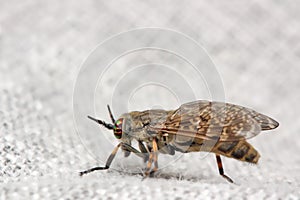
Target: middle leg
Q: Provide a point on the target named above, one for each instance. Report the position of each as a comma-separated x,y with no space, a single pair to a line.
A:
152,158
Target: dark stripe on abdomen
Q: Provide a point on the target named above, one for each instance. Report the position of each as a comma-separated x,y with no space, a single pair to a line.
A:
227,146
240,150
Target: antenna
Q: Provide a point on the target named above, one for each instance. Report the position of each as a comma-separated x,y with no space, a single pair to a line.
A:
103,123
111,115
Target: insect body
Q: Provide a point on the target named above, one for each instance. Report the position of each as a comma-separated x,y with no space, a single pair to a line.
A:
216,127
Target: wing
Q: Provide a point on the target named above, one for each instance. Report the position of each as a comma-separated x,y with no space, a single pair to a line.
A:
216,121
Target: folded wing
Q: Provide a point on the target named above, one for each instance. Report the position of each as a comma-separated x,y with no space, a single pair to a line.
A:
216,121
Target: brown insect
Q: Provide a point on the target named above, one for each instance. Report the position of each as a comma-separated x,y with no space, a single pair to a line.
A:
216,127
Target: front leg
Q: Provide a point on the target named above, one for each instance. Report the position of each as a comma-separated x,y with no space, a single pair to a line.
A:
131,149
108,162
124,146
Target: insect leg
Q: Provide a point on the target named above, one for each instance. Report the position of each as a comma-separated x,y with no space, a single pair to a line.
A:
221,170
108,162
155,158
129,148
144,150
152,158
149,164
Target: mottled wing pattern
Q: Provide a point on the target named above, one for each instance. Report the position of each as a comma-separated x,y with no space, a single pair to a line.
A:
216,121
154,117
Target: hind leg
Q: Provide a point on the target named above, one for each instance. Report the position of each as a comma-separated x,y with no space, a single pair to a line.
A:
221,170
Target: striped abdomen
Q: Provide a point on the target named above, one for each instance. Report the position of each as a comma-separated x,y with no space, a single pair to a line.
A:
240,150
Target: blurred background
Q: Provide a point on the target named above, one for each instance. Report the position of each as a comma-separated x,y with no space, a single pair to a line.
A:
255,48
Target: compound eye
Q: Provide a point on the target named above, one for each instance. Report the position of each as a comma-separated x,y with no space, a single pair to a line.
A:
118,128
